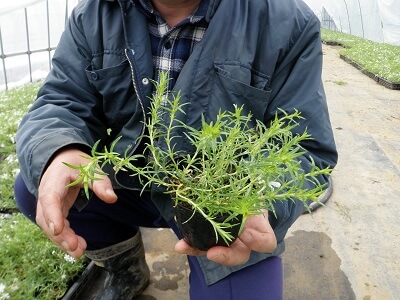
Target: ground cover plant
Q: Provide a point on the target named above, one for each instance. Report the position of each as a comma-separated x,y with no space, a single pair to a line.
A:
380,59
237,167
31,267
13,105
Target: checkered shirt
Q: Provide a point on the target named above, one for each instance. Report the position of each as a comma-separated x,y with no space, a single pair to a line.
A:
171,47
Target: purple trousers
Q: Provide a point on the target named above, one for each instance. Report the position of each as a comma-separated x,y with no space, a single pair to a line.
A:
104,224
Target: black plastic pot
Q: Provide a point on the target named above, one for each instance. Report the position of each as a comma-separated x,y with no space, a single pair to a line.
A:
198,232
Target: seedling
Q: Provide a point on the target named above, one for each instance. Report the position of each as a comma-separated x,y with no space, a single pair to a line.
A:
235,169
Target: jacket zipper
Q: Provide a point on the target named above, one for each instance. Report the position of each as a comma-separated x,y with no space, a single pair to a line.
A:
144,118
139,99
123,10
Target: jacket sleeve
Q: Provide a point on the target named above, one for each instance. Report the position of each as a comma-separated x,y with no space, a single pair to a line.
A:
297,84
67,110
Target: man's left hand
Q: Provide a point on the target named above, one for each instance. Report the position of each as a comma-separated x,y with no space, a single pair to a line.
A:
257,235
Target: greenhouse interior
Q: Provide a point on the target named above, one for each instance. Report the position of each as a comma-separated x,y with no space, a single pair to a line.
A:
376,20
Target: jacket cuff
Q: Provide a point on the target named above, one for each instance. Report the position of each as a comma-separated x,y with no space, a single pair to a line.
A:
40,155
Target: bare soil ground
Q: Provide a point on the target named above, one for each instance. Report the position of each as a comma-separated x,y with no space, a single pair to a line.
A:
350,248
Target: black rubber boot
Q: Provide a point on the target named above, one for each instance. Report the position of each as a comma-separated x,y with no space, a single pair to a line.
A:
125,271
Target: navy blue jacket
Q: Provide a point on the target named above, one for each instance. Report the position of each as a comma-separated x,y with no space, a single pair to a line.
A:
263,54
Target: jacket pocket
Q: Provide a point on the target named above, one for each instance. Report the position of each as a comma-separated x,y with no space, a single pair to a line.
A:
242,86
114,87
95,76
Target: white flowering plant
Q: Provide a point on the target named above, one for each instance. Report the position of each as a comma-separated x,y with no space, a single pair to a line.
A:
31,266
14,105
235,169
380,59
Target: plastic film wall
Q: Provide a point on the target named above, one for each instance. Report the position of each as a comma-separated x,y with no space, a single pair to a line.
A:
377,20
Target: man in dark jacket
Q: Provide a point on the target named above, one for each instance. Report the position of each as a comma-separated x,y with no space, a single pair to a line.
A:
263,54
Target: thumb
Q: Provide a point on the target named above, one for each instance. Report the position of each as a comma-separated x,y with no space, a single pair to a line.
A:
258,234
104,190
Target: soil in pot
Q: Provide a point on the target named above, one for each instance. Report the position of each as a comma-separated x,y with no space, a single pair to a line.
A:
198,232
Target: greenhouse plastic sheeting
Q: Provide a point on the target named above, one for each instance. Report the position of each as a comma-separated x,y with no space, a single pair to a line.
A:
376,20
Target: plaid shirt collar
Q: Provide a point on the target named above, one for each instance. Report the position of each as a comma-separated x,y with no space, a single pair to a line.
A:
171,47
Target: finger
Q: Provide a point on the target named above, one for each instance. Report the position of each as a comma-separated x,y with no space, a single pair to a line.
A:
182,247
258,234
102,186
54,208
70,240
237,254
49,214
103,189
259,222
259,241
67,240
54,199
71,243
80,250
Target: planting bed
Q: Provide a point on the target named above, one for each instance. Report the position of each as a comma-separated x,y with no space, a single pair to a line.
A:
382,81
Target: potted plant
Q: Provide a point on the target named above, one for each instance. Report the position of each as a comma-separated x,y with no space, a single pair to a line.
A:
234,171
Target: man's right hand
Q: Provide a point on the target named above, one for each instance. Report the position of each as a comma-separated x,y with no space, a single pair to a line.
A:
55,200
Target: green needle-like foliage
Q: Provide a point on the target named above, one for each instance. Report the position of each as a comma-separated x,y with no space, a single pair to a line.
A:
235,168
